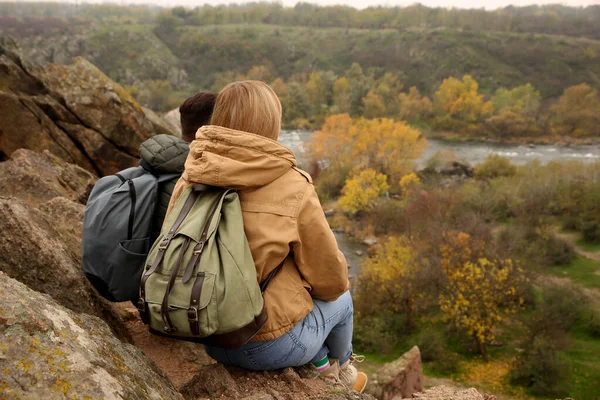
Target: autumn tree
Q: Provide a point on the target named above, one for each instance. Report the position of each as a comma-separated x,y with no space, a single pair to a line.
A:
373,105
409,182
525,98
260,73
413,106
359,88
388,280
481,291
460,99
577,112
317,94
387,88
297,103
341,95
516,112
385,145
361,191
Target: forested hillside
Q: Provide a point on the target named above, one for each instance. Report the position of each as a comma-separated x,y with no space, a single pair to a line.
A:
163,55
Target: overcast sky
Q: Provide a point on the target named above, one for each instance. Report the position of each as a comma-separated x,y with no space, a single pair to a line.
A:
489,4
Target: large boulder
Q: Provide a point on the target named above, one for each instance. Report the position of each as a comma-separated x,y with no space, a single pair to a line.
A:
50,352
39,177
398,379
74,111
41,248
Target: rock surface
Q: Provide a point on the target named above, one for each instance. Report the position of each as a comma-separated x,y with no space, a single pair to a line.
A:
450,393
216,381
74,111
38,177
50,352
41,217
173,120
398,379
44,253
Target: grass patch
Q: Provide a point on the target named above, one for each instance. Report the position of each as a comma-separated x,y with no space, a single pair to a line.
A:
582,271
587,246
583,358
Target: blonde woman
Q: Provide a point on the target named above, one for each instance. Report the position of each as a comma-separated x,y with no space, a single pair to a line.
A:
308,304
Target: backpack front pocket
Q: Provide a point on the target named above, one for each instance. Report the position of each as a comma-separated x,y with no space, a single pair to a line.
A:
125,266
192,307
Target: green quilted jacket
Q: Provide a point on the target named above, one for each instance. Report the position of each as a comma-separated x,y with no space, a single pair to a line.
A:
164,154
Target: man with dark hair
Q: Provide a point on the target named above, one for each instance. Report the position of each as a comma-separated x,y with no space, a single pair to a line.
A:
196,112
165,155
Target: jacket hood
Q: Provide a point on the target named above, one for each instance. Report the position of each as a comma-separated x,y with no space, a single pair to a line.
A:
234,159
165,154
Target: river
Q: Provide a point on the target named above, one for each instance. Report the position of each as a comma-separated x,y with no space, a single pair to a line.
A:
471,152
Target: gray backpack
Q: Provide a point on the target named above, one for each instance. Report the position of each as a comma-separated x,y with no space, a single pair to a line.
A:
116,231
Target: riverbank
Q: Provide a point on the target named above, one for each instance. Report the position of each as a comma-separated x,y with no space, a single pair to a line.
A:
520,141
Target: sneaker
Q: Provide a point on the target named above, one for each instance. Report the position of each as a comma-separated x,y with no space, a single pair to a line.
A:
347,374
351,377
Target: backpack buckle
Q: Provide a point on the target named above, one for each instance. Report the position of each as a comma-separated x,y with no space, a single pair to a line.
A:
169,329
199,249
192,314
164,243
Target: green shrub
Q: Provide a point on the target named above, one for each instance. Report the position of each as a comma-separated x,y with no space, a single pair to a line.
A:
590,229
559,252
593,326
541,369
434,349
372,335
387,217
330,182
534,246
495,166
570,222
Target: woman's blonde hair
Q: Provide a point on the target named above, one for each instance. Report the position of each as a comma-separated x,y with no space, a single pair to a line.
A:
250,106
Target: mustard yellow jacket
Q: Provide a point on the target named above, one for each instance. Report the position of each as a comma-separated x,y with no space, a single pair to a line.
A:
283,219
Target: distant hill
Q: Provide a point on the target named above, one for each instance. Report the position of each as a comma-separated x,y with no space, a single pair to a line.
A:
552,47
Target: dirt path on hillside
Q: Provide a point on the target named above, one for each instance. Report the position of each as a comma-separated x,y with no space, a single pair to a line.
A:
572,238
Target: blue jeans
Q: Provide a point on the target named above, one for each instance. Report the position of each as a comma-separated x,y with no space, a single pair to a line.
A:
325,332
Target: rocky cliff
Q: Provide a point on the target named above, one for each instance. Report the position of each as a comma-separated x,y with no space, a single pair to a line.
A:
73,111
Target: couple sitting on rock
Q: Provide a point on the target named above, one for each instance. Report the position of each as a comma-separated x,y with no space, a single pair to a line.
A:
308,304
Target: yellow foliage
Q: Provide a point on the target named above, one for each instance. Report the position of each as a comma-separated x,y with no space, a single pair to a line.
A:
280,87
409,181
388,146
413,106
341,95
374,107
362,190
387,278
461,99
480,292
578,112
315,88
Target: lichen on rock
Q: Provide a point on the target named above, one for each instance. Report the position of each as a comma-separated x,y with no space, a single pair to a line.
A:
50,352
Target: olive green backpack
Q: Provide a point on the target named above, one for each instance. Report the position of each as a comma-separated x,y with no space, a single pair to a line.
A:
199,283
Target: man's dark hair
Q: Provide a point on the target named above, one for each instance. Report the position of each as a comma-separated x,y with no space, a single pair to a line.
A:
196,112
